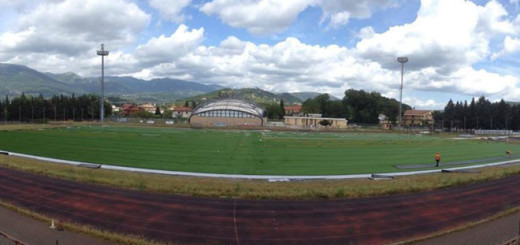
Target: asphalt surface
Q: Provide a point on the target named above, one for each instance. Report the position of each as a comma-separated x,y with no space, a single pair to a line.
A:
33,232
377,220
495,232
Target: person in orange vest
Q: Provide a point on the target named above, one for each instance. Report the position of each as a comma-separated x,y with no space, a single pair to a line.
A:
508,153
437,159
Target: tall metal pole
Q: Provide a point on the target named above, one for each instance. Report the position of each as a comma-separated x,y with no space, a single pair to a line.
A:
102,53
401,60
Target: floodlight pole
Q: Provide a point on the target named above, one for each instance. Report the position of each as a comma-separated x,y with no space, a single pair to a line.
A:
401,60
102,53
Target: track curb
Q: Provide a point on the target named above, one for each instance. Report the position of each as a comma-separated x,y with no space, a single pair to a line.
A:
243,176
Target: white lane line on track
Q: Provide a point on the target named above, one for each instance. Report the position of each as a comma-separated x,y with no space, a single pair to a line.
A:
235,219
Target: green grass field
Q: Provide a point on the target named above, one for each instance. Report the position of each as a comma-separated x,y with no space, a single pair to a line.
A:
245,152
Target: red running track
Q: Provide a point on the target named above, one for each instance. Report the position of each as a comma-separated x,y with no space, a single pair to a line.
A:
163,217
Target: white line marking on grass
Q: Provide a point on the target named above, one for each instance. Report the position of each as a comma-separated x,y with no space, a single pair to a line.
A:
272,178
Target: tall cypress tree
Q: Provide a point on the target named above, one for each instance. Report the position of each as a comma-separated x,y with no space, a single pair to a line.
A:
282,108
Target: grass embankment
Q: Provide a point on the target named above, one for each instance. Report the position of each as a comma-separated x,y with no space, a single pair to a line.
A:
245,152
256,189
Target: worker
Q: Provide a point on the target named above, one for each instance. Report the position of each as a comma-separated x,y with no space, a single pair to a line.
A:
437,159
508,153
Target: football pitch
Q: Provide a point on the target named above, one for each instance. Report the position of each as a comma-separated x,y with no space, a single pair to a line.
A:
246,152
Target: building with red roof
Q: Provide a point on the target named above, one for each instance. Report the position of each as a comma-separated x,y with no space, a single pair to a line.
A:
293,110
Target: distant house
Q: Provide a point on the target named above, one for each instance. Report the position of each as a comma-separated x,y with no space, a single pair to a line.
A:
116,109
384,122
181,111
129,109
418,118
293,110
149,107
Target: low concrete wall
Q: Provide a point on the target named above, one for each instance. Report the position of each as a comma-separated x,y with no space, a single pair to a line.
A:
225,121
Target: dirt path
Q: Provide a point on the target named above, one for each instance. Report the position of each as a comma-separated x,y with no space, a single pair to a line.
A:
493,232
33,232
377,220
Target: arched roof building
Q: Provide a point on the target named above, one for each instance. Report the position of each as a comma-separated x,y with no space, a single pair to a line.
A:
228,112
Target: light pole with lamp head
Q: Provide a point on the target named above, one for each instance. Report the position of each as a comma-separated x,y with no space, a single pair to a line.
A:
401,60
102,53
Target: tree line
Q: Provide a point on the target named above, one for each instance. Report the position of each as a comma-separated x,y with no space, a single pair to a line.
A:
36,109
357,106
479,114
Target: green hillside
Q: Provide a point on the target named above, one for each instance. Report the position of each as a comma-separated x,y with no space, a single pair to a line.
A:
18,79
15,79
251,94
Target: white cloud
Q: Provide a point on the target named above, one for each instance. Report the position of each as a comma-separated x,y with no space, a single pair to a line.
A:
73,27
356,8
419,104
166,49
465,80
170,10
338,12
289,65
366,33
511,45
470,81
447,34
272,16
18,5
339,19
258,17
61,36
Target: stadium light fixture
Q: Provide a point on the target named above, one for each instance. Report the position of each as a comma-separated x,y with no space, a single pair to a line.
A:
401,60
102,53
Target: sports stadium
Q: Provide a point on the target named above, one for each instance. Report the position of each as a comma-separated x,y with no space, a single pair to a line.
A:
229,169
167,142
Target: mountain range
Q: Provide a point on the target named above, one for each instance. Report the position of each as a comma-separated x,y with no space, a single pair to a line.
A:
18,79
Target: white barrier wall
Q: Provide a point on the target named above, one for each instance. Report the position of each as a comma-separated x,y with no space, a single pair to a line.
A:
494,132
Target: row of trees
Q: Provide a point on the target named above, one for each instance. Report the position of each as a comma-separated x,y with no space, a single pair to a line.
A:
479,114
358,106
29,109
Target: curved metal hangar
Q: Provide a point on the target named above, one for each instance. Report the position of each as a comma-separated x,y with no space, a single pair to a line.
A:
228,112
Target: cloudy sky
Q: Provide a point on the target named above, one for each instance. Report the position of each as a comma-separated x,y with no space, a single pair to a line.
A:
457,49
